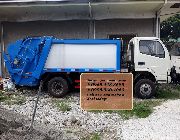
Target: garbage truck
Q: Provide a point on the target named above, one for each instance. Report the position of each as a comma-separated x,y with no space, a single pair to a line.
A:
59,62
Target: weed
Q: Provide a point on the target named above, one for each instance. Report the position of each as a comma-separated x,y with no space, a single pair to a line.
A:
3,97
62,105
141,109
11,99
95,136
19,100
168,93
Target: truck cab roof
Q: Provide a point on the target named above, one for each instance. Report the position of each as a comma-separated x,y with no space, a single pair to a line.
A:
146,38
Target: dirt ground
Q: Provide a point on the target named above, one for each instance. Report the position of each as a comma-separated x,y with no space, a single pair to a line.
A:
13,126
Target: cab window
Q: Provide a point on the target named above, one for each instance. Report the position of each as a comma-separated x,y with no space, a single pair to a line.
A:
153,48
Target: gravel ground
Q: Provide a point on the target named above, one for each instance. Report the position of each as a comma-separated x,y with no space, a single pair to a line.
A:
72,122
16,127
164,123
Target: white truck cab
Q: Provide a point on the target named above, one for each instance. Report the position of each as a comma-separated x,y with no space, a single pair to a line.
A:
150,63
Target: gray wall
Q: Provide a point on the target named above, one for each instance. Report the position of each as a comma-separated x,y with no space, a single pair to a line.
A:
140,27
62,29
77,29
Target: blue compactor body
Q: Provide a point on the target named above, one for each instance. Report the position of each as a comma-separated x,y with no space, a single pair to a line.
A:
33,59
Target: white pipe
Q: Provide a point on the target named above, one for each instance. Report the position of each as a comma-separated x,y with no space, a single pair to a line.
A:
157,19
159,11
90,10
157,25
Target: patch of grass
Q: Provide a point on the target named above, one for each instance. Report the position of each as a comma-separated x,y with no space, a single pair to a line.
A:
178,87
11,99
62,105
3,97
141,109
168,93
19,100
95,136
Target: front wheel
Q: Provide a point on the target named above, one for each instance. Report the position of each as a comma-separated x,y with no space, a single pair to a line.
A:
57,87
145,89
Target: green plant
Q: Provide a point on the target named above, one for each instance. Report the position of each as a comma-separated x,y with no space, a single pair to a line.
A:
95,136
62,105
19,100
92,136
141,109
170,28
178,87
11,99
171,93
3,97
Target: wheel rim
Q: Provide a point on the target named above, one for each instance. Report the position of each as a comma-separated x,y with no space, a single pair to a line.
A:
145,89
57,87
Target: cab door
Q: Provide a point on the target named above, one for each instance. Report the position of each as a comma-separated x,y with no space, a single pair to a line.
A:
153,57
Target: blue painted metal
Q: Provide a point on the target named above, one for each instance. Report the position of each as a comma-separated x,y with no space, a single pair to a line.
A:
25,59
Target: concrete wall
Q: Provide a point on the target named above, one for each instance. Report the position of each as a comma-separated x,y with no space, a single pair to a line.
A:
140,27
77,29
63,29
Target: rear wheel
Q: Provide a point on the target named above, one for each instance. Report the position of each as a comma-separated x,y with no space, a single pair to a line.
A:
145,89
57,87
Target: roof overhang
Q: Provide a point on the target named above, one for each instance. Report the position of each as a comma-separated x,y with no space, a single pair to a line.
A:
170,9
30,10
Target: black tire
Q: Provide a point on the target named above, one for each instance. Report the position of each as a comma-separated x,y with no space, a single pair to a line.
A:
57,87
144,89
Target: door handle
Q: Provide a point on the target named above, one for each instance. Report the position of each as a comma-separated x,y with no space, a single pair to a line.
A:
141,63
